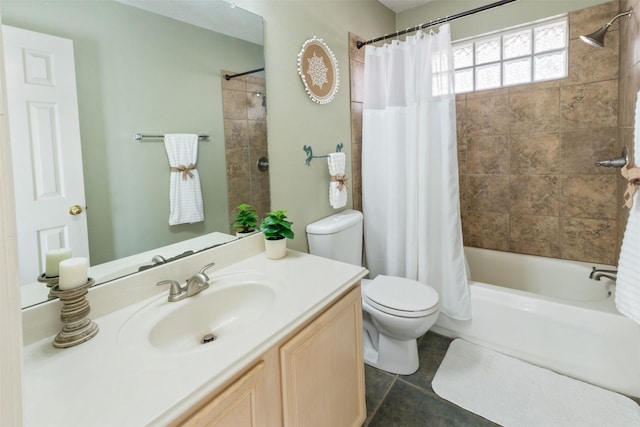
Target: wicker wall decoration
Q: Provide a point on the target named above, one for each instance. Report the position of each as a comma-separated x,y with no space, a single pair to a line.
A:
318,69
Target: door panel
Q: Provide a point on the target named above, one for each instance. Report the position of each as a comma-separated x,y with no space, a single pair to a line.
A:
45,143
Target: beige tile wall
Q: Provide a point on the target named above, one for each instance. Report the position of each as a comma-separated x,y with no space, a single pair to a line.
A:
527,153
528,182
356,68
245,135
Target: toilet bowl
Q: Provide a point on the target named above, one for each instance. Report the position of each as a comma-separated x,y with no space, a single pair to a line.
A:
396,311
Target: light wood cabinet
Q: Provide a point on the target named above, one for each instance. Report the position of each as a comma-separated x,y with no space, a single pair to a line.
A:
314,377
238,405
322,369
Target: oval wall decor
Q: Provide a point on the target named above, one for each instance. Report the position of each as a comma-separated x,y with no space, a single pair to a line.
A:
318,69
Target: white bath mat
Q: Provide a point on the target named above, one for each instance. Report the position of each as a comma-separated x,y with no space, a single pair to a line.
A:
511,392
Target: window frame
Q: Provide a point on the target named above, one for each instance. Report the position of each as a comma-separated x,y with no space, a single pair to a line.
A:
532,55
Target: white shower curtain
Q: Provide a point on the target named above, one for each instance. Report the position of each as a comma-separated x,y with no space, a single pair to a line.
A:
409,167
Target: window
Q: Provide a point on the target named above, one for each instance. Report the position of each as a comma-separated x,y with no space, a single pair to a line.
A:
526,54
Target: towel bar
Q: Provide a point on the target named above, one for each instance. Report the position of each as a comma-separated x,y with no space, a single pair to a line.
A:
310,156
141,136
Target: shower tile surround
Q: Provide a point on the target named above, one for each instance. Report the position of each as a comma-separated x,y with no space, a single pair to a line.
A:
526,154
245,136
356,69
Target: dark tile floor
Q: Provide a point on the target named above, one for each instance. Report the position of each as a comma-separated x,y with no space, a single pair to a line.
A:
409,401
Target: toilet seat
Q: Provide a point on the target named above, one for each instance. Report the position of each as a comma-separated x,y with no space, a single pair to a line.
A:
401,297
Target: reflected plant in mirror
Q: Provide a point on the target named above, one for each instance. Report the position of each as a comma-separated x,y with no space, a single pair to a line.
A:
136,71
246,220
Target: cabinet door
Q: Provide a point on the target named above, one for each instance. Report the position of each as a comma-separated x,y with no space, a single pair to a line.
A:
238,406
322,369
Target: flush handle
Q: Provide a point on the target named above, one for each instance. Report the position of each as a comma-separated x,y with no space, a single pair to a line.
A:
617,162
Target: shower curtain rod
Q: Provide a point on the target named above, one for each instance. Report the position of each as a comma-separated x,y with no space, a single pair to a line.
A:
359,44
230,76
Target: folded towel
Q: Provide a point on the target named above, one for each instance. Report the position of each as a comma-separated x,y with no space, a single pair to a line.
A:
628,278
338,185
185,195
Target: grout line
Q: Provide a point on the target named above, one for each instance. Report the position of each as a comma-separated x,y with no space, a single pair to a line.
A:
382,399
426,390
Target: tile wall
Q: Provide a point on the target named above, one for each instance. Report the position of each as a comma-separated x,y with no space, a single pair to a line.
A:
356,68
245,135
528,183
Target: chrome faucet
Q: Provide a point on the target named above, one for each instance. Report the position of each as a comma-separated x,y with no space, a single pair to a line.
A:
195,284
596,274
158,259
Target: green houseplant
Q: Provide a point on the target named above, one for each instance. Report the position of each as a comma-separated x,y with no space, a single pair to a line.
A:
245,219
276,229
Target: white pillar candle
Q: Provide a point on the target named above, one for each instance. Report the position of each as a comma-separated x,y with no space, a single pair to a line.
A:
53,258
73,273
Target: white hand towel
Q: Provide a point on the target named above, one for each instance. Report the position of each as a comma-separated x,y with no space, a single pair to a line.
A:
185,194
628,281
338,185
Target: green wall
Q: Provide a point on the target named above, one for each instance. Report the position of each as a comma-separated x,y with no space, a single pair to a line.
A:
293,119
140,72
509,15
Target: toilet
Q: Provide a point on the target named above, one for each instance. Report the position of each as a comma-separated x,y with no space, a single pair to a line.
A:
396,311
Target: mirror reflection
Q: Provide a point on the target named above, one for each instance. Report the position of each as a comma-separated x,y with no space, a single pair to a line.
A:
142,72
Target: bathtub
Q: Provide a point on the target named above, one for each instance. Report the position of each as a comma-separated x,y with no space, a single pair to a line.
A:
548,312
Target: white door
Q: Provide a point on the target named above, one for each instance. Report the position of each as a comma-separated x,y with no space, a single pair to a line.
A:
45,143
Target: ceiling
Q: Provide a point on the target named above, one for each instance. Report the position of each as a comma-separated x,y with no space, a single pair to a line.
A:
400,5
221,16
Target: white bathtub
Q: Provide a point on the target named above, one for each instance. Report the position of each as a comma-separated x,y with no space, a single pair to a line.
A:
548,312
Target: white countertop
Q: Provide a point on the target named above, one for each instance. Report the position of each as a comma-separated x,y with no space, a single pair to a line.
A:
107,382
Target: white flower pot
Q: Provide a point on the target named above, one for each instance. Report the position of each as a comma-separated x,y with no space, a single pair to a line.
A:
275,249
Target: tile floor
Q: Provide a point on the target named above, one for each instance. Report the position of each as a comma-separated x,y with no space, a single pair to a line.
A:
409,401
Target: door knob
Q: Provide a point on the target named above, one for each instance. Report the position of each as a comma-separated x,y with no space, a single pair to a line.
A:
75,210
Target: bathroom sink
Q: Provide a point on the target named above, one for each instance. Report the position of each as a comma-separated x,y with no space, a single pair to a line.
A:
231,305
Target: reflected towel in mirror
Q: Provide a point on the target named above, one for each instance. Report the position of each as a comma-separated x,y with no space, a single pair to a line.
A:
185,194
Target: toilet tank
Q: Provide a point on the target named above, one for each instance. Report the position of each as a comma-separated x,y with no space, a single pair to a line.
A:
338,237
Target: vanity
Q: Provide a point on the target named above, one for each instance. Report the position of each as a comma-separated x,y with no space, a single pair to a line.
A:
287,348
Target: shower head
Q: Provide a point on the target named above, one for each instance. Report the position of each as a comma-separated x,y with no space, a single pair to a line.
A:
596,38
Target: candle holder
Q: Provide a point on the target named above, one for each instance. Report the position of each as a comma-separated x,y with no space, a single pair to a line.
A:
77,328
50,281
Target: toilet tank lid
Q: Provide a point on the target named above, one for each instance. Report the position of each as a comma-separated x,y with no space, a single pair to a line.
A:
335,223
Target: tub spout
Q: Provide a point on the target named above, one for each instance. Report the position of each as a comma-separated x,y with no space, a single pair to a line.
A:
596,274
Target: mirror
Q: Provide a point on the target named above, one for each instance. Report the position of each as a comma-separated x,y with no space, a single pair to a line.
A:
142,71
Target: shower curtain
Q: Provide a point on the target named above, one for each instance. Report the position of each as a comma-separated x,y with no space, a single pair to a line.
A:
409,167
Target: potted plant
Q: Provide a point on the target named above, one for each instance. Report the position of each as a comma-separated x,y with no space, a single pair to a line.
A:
276,229
245,220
